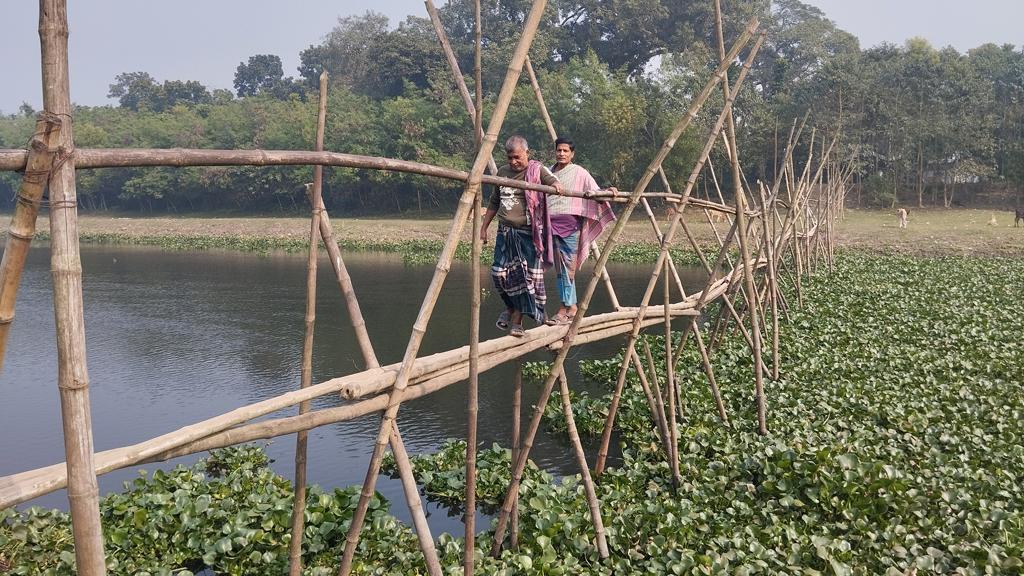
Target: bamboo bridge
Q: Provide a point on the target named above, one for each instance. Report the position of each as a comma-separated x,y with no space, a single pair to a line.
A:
770,230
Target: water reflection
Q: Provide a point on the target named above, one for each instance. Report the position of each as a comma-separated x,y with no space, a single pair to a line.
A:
175,337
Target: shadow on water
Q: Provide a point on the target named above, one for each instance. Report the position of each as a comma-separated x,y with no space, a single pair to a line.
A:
178,337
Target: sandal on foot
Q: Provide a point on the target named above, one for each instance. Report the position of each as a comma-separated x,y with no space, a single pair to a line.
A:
517,331
502,321
560,319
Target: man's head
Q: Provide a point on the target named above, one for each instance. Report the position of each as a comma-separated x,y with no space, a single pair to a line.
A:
518,153
565,151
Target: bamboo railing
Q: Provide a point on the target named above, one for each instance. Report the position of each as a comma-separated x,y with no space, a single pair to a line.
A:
782,231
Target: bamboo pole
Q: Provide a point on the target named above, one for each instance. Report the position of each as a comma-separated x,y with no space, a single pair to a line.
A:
66,267
420,326
773,290
412,494
472,409
649,173
517,400
460,82
42,150
540,101
748,277
652,403
15,160
348,291
670,387
659,403
609,422
581,460
315,191
710,373
478,117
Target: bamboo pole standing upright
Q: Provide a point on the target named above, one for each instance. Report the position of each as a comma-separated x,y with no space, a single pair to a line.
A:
670,385
301,438
42,149
66,267
472,410
748,276
473,188
517,400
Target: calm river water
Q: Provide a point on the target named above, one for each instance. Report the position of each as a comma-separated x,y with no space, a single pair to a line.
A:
177,337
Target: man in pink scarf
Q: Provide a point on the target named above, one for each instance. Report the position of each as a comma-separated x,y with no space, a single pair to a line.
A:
523,244
575,224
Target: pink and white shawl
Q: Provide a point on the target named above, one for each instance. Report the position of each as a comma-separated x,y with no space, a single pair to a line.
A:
540,220
596,214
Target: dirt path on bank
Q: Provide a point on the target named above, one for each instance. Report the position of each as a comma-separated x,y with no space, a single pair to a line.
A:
931,232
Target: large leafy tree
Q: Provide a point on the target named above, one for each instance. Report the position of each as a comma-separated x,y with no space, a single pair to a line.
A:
139,91
263,74
356,50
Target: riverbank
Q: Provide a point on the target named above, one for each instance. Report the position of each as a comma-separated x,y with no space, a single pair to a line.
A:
931,232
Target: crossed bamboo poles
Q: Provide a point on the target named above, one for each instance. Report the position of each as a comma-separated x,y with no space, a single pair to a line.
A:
804,231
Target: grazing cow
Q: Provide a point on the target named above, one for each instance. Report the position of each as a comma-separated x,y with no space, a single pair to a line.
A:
1018,215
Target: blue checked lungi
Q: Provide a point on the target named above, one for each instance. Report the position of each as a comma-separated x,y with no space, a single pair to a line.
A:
518,272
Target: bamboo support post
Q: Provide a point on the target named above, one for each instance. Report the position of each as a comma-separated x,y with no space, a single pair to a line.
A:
42,151
66,267
671,450
581,460
670,388
710,373
412,495
315,191
472,408
748,277
606,432
517,400
652,402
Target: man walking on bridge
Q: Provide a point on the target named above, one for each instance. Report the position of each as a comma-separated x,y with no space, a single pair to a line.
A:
523,243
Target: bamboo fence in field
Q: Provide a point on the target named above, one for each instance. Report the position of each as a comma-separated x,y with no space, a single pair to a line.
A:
772,234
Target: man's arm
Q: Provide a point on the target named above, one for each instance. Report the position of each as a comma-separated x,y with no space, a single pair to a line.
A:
546,177
488,216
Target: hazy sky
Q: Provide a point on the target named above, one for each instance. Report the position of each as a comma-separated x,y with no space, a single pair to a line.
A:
206,40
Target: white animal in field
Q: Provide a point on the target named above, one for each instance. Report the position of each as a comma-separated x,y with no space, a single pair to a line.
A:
902,213
992,221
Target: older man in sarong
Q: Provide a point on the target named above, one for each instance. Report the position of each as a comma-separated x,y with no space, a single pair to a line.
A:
575,224
523,243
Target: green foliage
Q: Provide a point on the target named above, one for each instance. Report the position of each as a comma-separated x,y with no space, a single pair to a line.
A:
443,474
229,513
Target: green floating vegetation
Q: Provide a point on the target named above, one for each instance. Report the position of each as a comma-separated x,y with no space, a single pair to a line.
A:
895,447
228,513
413,251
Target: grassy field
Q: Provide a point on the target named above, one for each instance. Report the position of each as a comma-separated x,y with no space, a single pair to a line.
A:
931,232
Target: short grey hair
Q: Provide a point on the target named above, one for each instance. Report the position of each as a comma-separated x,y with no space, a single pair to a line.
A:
516,143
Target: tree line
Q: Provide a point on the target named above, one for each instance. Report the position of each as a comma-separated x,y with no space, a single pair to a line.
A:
925,125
